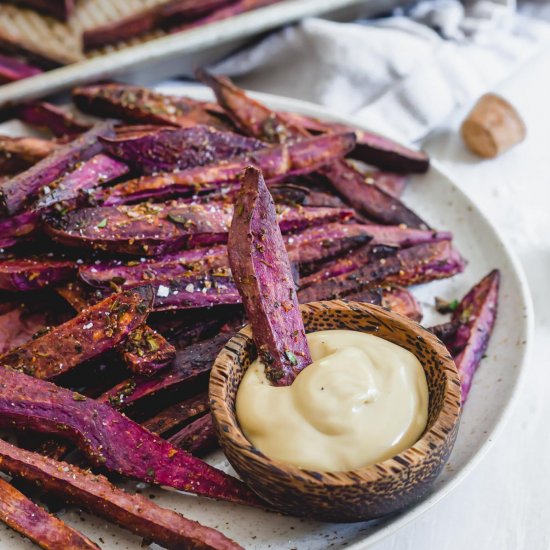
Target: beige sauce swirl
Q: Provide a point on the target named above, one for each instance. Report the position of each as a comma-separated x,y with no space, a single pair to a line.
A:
361,401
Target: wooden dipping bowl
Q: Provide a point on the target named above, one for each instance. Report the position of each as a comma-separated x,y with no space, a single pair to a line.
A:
364,493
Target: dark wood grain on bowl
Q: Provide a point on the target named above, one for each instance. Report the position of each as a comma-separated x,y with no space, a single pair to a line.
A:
356,495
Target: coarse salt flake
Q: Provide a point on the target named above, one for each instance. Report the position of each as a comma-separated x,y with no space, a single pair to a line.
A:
163,291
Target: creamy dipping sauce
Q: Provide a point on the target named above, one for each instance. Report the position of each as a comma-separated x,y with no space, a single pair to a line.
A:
361,401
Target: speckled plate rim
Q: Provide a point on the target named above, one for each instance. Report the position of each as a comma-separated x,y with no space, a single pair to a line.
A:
393,524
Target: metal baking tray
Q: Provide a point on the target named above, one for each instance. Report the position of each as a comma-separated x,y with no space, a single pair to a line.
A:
169,55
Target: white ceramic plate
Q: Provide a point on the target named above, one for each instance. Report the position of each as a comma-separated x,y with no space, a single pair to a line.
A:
439,201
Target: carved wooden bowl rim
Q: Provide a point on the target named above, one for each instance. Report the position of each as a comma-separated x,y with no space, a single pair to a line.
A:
435,437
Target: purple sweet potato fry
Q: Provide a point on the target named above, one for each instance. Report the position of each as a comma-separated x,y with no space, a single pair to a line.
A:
325,241
110,439
177,414
13,69
10,242
20,225
249,115
92,332
167,267
392,184
142,229
18,153
17,328
160,16
276,163
18,190
147,352
98,170
143,106
318,293
293,195
197,438
32,274
453,334
477,310
34,522
261,270
418,264
191,363
153,229
402,301
95,493
345,264
75,293
169,149
425,262
386,154
196,291
371,148
50,117
369,199
395,235
259,121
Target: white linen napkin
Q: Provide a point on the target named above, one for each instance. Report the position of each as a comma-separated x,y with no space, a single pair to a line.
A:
403,75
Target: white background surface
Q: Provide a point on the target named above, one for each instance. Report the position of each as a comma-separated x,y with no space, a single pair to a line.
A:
505,502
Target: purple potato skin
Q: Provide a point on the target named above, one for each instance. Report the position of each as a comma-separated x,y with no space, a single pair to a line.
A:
32,521
262,273
197,438
20,225
179,413
154,229
116,442
146,352
92,332
369,199
347,263
372,149
143,106
276,162
478,311
94,492
292,195
453,334
23,275
97,171
170,149
49,117
12,69
18,153
15,192
402,301
395,235
192,292
164,268
317,244
191,363
414,265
